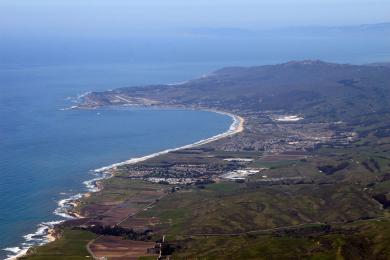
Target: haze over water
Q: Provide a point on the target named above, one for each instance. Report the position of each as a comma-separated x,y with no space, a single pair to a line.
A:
46,153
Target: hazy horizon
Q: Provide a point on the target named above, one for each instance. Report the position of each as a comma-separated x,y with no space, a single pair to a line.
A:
120,17
307,175
226,32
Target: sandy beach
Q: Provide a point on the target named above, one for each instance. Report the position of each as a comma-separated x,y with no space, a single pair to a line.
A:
236,127
67,206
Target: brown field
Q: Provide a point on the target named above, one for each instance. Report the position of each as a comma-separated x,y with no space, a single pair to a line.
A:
139,223
113,212
118,248
95,209
115,215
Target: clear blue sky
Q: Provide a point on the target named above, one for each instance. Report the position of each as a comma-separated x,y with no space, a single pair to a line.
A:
121,16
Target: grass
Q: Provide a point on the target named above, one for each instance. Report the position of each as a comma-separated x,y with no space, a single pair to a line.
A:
223,187
224,208
360,240
255,247
71,245
237,154
273,164
228,210
118,189
343,199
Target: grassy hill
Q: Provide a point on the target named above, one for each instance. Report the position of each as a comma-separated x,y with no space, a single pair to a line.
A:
313,88
324,187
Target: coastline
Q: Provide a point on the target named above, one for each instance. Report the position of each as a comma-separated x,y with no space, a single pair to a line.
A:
65,209
236,127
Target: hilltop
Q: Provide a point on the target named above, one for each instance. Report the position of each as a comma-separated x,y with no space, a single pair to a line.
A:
307,178
314,88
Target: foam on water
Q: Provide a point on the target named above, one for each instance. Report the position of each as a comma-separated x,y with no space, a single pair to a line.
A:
66,205
39,237
234,128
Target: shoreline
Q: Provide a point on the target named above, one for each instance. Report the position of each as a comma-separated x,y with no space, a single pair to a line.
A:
236,127
44,233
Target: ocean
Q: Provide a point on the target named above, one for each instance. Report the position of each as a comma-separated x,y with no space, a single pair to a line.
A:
46,153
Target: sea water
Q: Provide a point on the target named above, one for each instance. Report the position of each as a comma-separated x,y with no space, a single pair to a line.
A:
46,153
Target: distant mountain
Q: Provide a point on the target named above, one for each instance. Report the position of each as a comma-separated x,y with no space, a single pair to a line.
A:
296,30
363,29
372,27
317,89
384,64
206,31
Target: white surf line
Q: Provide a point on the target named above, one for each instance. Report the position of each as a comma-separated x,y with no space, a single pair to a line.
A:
235,127
66,205
69,108
40,237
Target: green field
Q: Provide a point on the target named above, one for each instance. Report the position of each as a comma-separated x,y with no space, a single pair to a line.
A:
325,189
71,245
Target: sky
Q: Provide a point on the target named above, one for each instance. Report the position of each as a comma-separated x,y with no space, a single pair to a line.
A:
49,31
116,17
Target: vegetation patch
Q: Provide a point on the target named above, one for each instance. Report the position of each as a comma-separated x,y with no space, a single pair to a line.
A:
70,245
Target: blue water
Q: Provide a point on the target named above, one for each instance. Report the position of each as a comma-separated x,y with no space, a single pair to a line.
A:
46,153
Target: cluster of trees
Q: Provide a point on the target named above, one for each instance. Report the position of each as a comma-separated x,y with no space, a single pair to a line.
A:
310,231
331,169
120,231
382,199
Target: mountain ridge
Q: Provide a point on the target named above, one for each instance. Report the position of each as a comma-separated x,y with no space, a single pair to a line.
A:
322,90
